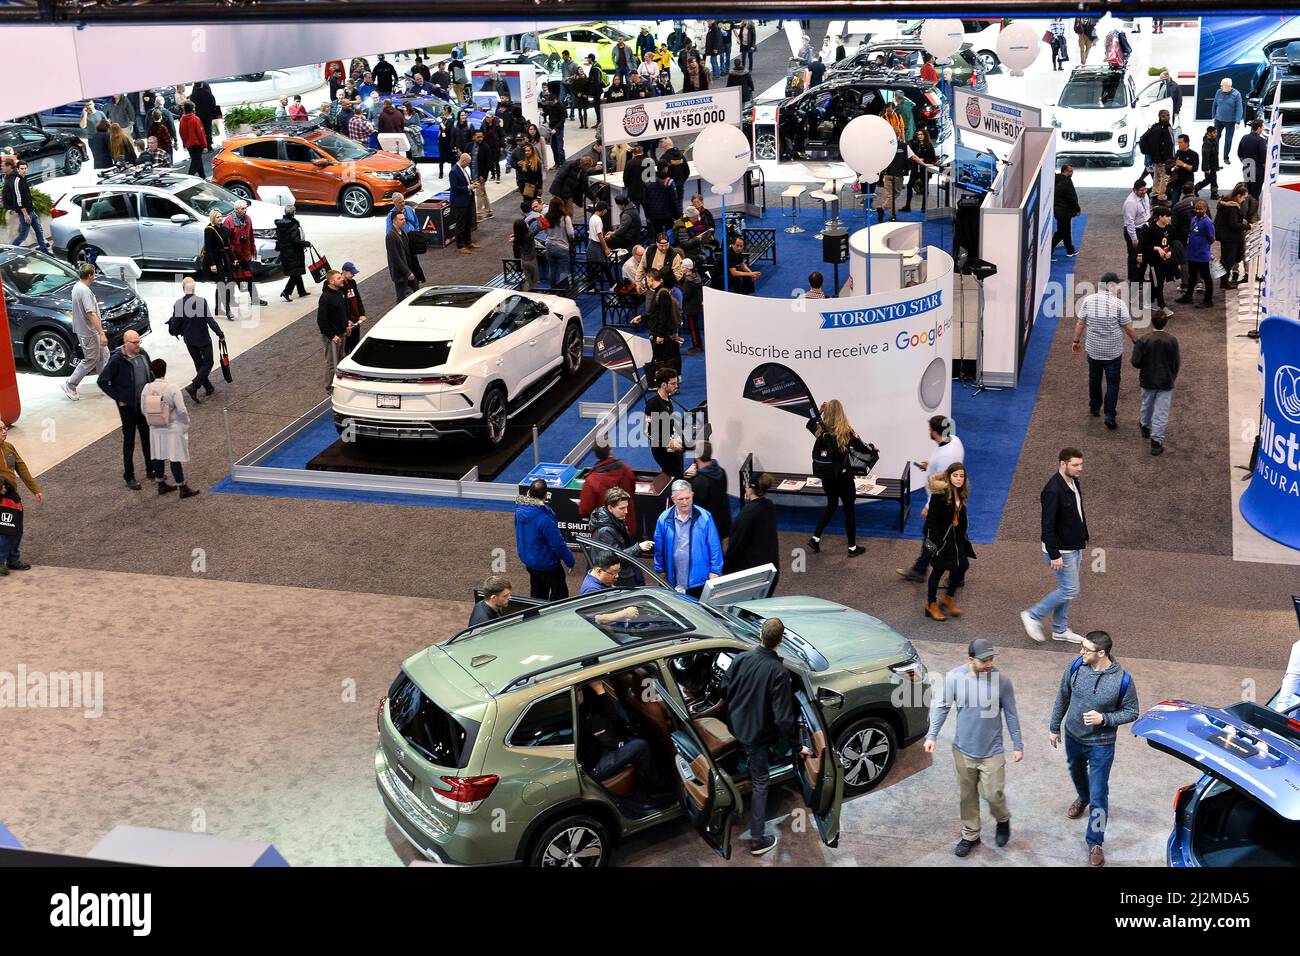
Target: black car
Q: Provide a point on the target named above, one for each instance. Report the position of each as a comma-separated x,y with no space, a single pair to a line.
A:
905,56
48,153
1281,67
38,298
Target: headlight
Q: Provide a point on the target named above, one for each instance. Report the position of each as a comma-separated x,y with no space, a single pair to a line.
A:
1121,124
1056,122
385,175
912,670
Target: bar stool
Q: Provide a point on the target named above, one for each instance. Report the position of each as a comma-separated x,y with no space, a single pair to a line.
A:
793,193
829,197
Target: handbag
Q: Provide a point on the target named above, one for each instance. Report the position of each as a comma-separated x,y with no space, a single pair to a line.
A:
1048,37
11,513
1216,269
320,268
225,362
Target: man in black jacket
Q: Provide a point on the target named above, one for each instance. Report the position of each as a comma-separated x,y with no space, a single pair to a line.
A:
332,320
678,169
496,598
630,230
1065,206
191,320
663,425
569,180
1065,535
1155,355
709,482
122,380
761,711
400,269
18,199
1252,151
1157,145
385,76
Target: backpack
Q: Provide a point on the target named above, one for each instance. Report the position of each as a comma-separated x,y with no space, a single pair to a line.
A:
1116,56
157,410
1124,680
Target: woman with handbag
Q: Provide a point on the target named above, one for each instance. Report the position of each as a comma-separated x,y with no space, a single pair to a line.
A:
528,174
13,468
832,465
163,406
216,264
291,245
946,539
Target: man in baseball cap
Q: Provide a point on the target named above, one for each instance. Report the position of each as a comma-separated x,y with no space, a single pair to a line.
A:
356,308
982,695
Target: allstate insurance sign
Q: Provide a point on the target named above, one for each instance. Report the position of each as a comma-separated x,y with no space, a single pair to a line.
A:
659,116
1272,502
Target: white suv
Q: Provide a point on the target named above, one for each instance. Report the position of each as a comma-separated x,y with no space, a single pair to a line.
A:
456,361
1101,114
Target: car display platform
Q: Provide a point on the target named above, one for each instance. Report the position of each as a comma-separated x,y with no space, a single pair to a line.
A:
452,458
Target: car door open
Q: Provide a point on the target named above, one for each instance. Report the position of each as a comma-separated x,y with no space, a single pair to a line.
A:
821,776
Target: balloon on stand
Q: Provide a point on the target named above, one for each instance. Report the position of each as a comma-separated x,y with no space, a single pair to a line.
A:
722,154
942,37
1018,46
868,145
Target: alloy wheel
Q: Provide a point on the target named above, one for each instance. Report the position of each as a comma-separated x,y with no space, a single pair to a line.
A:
574,846
572,349
864,756
494,417
988,61
72,161
766,146
86,253
50,354
356,202
240,191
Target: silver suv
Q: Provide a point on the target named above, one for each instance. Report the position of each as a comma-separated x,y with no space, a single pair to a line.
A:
155,218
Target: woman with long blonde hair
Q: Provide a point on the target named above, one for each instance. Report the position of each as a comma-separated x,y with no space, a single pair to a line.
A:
119,145
833,466
946,539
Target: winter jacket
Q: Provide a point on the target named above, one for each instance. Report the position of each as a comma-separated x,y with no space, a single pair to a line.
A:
753,541
608,530
331,313
1200,237
291,245
710,486
567,183
1228,107
692,287
608,473
1083,689
1209,153
760,701
660,201
242,248
1155,355
1182,222
1230,226
705,553
1157,144
634,177
739,76
538,540
1063,519
659,318
391,120
192,132
117,380
952,538
1066,201
398,249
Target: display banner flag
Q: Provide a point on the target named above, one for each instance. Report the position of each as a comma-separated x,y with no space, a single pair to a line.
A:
630,120
1272,502
777,386
612,351
1280,294
993,117
1266,196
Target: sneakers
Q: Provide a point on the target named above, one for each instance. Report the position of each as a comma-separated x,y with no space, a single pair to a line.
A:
856,551
1072,254
1146,430
1157,448
1068,636
71,392
1075,810
909,575
964,846
1003,836
1033,628
761,846
815,544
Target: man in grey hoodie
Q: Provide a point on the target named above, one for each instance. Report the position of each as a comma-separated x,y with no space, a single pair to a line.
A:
983,695
1095,697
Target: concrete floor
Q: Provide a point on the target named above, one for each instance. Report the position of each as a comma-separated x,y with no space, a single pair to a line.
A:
248,711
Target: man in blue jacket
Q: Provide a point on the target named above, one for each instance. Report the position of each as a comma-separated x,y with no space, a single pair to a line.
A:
1228,112
688,551
540,545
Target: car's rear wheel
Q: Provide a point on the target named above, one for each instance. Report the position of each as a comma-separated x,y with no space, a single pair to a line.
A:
572,841
988,61
495,416
572,348
72,161
867,749
356,202
50,353
765,148
240,191
83,251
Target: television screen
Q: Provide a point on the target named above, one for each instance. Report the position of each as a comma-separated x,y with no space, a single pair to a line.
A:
975,170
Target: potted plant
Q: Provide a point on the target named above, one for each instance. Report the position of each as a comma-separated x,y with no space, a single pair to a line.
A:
239,118
10,223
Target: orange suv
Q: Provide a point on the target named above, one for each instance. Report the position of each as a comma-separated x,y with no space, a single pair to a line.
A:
316,164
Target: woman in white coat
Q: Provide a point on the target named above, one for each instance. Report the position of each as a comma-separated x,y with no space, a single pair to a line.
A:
163,404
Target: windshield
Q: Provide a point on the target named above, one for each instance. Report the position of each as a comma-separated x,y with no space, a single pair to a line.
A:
341,148
36,274
433,107
748,626
205,197
614,33
1103,92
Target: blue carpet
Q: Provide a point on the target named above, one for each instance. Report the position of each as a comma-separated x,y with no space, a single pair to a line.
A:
992,425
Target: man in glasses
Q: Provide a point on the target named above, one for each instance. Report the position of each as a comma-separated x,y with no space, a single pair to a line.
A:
1096,696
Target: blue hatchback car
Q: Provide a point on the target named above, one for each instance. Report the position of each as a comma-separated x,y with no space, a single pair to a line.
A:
1245,808
429,109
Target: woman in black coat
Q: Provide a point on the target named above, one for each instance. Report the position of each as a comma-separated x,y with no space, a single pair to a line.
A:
833,466
445,126
292,246
462,134
1230,228
217,262
205,105
753,540
489,153
946,528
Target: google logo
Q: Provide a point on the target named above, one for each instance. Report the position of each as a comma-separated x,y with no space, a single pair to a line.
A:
928,337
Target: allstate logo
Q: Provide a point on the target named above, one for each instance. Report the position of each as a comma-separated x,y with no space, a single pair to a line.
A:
973,114
1286,393
635,121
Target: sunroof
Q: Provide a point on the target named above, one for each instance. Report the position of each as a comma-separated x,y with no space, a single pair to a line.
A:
634,618
455,298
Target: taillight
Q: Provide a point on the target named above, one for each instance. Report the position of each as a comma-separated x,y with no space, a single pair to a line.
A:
467,793
442,380
1180,798
217,161
379,714
55,211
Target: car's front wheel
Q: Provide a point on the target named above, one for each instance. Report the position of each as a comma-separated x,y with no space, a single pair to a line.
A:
988,61
867,748
72,161
240,191
572,841
50,353
572,350
84,252
495,416
356,202
765,148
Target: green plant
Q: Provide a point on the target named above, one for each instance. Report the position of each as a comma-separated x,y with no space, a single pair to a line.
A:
1155,70
246,115
40,202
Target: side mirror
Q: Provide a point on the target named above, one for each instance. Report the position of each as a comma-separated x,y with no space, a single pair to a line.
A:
181,219
320,163
829,697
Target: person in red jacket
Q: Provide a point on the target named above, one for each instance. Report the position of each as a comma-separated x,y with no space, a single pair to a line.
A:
194,140
608,473
239,227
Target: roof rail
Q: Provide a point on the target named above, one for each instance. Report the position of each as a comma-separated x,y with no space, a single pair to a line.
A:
522,615
589,660
143,174
294,127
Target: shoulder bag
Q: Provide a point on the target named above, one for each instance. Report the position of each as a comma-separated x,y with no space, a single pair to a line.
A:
319,268
225,362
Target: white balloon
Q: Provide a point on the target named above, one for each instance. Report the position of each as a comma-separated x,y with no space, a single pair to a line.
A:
868,144
1018,45
943,38
722,154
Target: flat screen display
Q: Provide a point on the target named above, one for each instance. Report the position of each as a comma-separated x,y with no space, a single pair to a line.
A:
975,170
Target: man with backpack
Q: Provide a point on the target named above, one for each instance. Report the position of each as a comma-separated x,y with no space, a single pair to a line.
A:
1157,145
1085,28
1096,697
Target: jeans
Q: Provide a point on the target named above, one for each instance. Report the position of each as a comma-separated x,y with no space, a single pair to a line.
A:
634,753
548,585
557,144
716,64
1155,411
93,358
1063,233
760,763
203,362
1090,772
178,471
1111,369
557,266
1226,131
10,548
1057,603
133,424
33,223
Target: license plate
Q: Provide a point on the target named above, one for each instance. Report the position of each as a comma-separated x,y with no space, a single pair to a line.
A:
388,401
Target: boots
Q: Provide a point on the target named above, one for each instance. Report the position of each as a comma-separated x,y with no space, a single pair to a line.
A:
932,611
948,604
187,491
164,488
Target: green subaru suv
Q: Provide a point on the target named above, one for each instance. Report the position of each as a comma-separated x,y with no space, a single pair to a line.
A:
481,757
